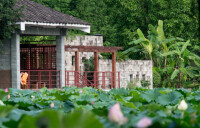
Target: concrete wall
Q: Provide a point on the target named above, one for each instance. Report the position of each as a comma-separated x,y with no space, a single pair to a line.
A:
5,65
129,70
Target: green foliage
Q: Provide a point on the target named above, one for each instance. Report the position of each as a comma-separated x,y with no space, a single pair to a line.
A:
156,78
118,21
132,84
91,107
145,83
8,16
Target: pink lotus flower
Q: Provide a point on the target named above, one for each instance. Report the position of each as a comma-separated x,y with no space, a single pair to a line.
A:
80,91
6,90
52,105
8,97
115,115
144,123
92,103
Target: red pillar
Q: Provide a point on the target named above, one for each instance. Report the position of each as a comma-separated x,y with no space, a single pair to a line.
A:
114,68
96,69
76,75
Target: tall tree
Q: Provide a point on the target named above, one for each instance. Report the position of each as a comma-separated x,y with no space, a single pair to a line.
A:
8,17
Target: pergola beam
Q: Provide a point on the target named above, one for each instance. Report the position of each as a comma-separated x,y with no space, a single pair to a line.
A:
71,48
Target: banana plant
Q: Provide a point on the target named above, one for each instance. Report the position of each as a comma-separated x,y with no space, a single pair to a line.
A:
153,45
184,57
141,45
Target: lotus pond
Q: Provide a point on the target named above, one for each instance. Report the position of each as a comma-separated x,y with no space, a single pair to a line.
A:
73,107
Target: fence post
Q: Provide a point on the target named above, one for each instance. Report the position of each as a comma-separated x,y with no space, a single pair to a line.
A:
50,86
85,83
94,79
29,79
39,79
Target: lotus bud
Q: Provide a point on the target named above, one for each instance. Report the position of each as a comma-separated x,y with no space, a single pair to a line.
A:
92,103
52,105
33,97
80,91
183,105
115,115
144,123
1,103
6,90
8,97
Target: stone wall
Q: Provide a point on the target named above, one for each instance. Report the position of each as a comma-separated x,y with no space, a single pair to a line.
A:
5,65
80,40
129,70
5,55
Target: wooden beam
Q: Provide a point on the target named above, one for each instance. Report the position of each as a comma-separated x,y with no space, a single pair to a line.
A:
79,48
76,75
114,68
96,68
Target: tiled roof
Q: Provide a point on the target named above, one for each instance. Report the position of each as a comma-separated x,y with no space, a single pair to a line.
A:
35,12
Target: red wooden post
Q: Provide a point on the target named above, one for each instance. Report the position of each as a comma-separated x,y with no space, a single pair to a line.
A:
94,80
36,58
43,57
39,78
28,60
114,68
103,80
50,86
96,69
29,79
76,68
85,83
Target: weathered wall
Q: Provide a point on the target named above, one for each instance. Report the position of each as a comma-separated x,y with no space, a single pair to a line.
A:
5,72
80,40
129,70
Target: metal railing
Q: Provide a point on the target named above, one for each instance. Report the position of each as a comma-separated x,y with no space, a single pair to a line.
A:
42,78
94,79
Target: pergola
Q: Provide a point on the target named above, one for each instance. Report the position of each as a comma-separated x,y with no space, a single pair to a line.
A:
95,50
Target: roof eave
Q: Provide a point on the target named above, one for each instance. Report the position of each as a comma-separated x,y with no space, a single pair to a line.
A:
82,27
